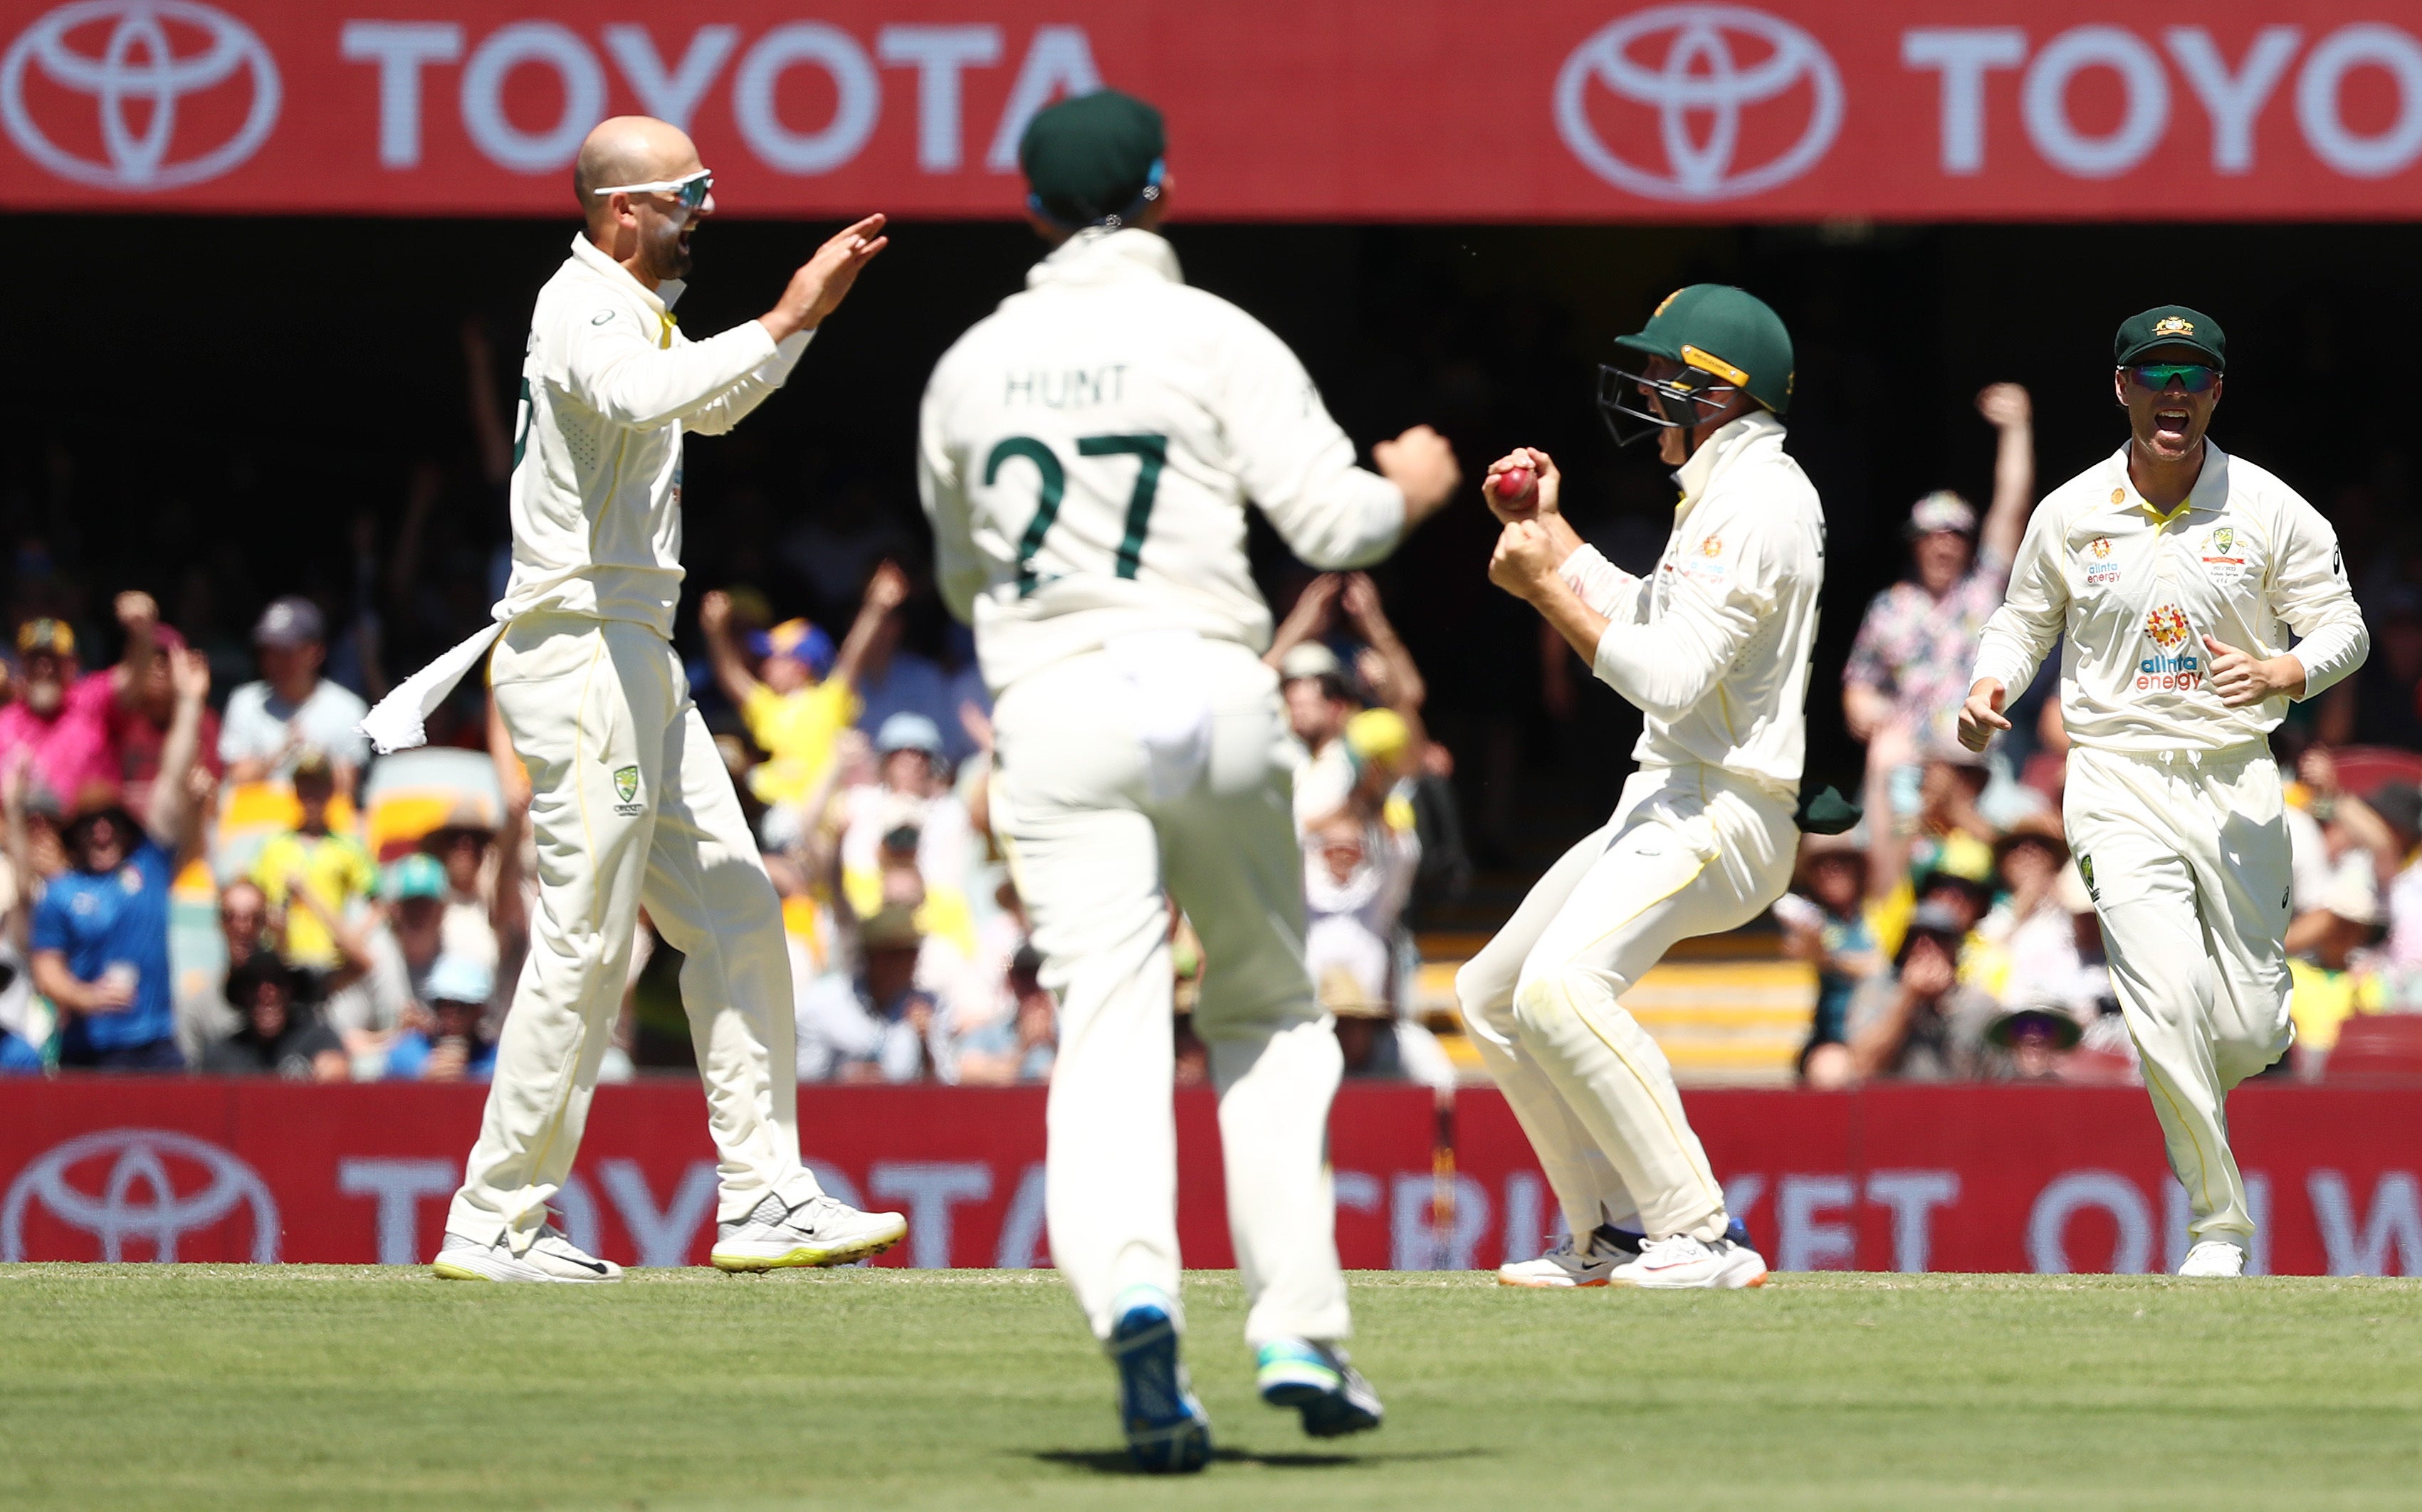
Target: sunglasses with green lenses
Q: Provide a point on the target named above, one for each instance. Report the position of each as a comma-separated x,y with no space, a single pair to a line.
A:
690,191
2195,377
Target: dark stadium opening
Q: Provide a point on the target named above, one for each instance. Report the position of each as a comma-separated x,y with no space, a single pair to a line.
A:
224,399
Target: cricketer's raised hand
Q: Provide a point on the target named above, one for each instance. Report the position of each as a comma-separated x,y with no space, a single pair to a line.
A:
825,279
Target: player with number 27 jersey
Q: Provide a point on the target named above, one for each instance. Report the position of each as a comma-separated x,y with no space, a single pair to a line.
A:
1086,454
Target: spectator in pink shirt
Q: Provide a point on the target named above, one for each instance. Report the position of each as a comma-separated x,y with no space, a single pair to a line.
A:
59,721
103,727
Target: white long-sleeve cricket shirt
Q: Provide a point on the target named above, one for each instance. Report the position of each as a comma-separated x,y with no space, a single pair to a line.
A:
1085,454
2130,592
609,386
1714,647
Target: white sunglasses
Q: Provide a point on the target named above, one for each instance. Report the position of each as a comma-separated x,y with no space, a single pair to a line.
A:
690,189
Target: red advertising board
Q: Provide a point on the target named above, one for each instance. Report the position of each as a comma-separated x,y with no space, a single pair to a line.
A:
1908,1178
1551,110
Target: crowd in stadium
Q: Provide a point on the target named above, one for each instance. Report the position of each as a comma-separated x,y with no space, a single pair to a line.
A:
370,914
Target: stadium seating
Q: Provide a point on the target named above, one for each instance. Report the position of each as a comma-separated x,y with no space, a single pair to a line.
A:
1727,1010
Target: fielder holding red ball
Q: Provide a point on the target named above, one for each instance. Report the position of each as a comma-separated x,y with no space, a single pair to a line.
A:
1714,649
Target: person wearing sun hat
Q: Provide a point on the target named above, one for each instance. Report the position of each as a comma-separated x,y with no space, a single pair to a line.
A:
1908,668
2170,575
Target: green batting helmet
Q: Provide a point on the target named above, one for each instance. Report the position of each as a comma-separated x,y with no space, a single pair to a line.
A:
1725,331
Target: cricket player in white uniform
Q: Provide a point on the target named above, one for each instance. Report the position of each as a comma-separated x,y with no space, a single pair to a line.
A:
2172,576
1086,454
1714,650
629,800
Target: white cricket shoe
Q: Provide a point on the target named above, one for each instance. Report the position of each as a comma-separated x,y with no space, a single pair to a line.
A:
550,1257
1569,1264
2213,1258
822,1231
1681,1262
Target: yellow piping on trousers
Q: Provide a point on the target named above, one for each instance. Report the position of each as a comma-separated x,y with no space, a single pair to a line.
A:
1676,1135
2203,1166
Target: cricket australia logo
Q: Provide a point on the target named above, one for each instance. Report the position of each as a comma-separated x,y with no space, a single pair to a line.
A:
2173,667
626,787
2086,872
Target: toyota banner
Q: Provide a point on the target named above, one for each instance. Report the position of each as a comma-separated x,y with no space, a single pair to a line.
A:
1559,110
1889,1179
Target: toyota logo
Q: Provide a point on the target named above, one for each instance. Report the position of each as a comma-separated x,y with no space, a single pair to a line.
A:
139,1196
1699,89
138,59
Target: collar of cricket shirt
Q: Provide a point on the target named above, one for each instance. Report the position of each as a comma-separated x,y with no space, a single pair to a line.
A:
1731,440
659,300
2211,490
1099,255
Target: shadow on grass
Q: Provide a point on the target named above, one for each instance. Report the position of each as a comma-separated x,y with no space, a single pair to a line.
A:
1115,1462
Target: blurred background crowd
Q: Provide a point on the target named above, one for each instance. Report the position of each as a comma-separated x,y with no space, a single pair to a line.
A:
205,867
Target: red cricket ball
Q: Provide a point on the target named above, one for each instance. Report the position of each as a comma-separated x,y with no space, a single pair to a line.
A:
1513,483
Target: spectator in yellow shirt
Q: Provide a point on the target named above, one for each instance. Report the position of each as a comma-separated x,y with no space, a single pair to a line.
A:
2332,970
330,869
795,709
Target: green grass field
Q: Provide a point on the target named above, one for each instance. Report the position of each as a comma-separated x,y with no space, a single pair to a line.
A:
140,1386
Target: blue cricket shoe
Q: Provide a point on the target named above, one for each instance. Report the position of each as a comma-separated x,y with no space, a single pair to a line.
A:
1166,1426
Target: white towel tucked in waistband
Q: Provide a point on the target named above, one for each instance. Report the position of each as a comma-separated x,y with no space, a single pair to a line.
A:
399,721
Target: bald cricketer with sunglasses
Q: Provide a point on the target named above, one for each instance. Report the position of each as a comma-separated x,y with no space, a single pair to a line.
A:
630,802
2172,576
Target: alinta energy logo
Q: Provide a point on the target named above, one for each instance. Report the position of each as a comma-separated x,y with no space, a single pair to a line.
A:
1727,86
136,64
150,1185
2167,626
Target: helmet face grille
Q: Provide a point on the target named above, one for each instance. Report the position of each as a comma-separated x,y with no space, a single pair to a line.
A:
1635,405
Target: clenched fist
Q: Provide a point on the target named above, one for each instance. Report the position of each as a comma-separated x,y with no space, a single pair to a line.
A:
1525,560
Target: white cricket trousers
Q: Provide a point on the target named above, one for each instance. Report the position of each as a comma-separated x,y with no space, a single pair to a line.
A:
2186,856
631,804
1120,779
1690,850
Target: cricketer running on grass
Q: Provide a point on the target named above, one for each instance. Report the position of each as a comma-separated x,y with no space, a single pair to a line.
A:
630,801
2172,576
1085,454
1713,648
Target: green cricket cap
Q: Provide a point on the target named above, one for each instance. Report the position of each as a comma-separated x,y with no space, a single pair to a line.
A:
416,876
1729,332
1093,157
2170,325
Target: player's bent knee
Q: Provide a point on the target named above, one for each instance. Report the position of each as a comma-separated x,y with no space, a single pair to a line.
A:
1544,1001
1482,994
